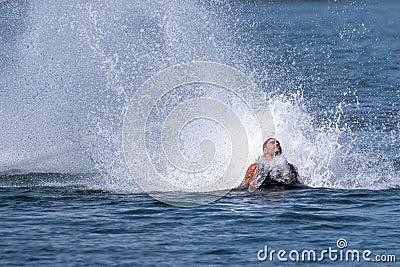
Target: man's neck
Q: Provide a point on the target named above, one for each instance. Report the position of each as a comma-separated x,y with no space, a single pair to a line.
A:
268,157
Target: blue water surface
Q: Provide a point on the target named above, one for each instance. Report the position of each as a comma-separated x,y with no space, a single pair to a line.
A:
49,226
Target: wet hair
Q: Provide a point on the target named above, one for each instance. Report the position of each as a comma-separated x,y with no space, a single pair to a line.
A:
266,142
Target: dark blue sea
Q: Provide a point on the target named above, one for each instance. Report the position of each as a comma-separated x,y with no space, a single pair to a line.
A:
329,72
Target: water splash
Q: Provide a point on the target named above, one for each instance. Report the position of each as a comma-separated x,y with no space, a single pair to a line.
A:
74,67
77,66
330,155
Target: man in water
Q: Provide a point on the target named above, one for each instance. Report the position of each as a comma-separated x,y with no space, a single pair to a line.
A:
271,169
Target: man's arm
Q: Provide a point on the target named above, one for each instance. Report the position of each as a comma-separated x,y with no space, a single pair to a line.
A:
250,173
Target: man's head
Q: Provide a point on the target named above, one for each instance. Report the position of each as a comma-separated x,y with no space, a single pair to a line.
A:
272,147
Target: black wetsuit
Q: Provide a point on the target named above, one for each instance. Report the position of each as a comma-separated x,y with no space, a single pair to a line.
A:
271,183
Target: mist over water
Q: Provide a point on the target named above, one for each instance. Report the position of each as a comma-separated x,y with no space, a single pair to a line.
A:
71,68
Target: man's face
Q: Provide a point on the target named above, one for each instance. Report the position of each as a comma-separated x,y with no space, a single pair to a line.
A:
273,147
